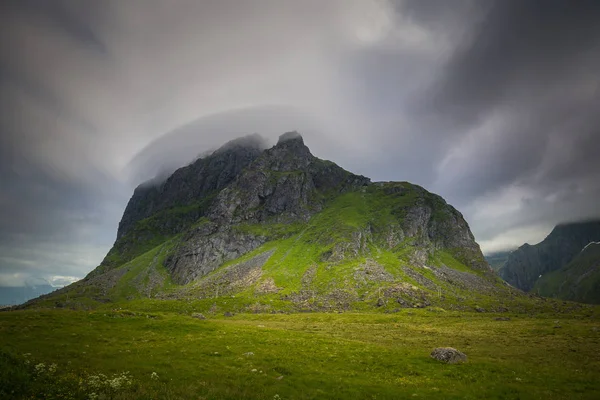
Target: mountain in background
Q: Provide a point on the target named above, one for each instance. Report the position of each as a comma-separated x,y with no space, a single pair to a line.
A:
253,229
579,280
10,295
497,259
564,265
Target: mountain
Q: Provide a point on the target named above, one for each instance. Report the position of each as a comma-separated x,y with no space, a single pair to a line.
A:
10,295
278,229
528,264
579,280
497,259
159,209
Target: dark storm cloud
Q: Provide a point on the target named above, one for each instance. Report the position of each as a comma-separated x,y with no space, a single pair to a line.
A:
518,50
520,99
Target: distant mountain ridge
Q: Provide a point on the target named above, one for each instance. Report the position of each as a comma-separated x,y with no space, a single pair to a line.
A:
10,295
497,259
579,280
527,267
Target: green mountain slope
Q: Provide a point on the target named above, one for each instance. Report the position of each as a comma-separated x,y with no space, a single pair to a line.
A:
545,267
293,232
579,280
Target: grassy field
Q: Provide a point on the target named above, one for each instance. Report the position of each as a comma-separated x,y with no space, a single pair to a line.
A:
167,355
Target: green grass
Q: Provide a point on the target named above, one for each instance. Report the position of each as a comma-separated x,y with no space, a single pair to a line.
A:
302,356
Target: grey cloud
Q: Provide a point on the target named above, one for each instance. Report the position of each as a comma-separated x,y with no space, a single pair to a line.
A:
70,16
517,50
186,143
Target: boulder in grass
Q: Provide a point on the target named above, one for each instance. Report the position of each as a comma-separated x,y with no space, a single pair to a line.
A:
448,355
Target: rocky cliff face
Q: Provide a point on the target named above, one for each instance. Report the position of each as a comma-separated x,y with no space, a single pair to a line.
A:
191,184
525,265
158,209
285,184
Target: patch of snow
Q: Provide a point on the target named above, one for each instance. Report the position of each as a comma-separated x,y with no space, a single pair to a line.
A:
590,243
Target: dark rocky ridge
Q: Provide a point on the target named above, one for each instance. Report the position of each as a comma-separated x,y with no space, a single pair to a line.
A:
161,209
189,184
525,265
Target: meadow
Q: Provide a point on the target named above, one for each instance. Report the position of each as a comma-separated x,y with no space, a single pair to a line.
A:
135,354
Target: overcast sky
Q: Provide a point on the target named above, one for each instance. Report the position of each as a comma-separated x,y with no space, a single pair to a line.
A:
495,105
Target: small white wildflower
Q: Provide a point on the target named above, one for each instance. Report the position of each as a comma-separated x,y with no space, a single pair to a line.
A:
115,383
249,354
52,368
253,370
154,376
276,397
40,368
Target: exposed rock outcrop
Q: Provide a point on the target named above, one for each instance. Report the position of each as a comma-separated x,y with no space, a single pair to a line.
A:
159,209
448,355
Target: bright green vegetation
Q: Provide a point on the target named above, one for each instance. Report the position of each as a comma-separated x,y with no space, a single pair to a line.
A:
299,356
577,281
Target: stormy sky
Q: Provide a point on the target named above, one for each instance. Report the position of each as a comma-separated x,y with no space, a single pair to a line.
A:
495,105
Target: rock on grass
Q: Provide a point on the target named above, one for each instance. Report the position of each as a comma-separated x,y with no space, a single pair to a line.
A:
448,355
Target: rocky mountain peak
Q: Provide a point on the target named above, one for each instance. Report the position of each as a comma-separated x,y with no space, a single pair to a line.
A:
292,137
289,154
